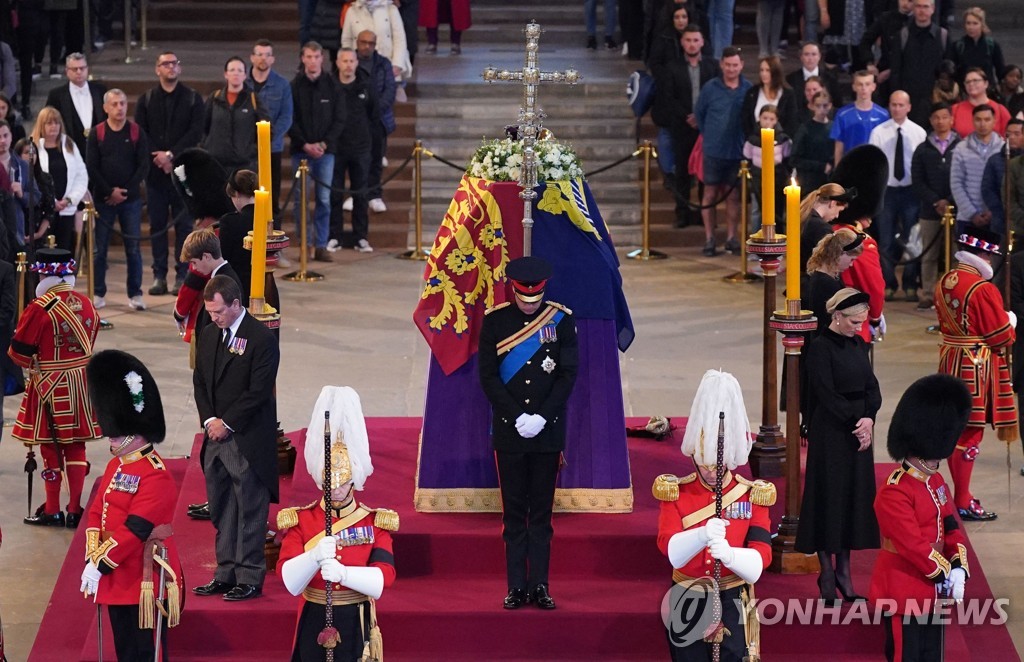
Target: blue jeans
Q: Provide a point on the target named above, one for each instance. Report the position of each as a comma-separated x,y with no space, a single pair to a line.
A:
590,15
720,18
129,215
666,152
322,170
164,205
812,16
899,213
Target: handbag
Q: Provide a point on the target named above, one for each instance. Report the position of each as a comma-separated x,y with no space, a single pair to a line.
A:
914,246
640,91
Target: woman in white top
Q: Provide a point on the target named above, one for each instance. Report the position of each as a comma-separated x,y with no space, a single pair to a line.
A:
382,18
59,157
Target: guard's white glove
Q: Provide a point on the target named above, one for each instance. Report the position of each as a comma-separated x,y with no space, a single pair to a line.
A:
721,550
532,427
955,583
521,421
1013,318
91,580
715,529
333,571
325,549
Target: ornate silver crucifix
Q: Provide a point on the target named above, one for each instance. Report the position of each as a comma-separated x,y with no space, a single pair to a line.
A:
530,119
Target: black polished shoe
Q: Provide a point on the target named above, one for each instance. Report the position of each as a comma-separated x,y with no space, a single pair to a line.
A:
198,506
42,519
515,599
72,520
851,596
540,597
243,592
201,513
827,592
975,513
214,588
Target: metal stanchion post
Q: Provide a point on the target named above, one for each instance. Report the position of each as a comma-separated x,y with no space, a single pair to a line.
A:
144,25
89,223
22,268
743,275
417,252
128,59
948,223
87,28
645,252
302,275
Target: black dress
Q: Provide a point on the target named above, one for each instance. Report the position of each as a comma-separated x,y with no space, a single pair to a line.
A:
837,512
820,288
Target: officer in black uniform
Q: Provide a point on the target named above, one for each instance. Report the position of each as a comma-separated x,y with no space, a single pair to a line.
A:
528,359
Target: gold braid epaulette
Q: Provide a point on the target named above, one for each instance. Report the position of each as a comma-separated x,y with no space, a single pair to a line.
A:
762,492
288,518
666,486
385,519
555,304
498,307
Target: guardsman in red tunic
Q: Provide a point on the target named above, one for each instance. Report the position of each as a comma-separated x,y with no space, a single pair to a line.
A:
357,558
54,341
692,537
977,333
129,519
924,556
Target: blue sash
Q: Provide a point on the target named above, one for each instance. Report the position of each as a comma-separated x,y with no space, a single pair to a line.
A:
521,353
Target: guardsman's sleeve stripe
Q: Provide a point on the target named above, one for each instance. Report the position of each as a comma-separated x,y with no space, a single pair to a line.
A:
941,565
379,555
758,534
959,559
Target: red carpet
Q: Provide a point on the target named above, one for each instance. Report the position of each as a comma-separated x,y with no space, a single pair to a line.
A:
606,574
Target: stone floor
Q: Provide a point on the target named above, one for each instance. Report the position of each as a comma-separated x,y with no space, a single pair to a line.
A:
355,328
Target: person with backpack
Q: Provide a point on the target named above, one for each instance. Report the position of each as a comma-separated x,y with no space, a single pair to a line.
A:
977,48
921,47
229,130
117,156
171,115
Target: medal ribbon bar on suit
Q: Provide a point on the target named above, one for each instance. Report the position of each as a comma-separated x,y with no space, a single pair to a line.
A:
527,345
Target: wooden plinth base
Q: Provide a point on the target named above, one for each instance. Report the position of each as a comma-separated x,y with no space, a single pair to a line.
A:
785,559
768,456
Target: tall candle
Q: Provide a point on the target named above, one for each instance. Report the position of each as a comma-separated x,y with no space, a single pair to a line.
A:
259,243
793,240
767,176
263,143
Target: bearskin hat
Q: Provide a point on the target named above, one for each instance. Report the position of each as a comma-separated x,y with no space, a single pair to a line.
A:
929,418
201,180
866,169
125,397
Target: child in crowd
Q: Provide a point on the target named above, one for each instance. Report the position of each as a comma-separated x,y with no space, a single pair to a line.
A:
768,118
813,149
946,88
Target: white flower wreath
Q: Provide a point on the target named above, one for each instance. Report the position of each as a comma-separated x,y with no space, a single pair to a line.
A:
501,160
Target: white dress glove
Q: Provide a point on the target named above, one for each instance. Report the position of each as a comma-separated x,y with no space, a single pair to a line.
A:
1013,318
333,571
715,529
721,550
955,583
325,549
532,427
521,421
91,580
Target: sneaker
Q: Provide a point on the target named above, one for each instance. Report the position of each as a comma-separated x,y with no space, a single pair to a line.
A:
732,246
347,205
333,245
377,206
592,43
98,302
384,162
321,255
136,303
456,49
54,74
159,287
364,246
431,49
610,43
37,72
926,304
178,282
709,248
912,295
890,294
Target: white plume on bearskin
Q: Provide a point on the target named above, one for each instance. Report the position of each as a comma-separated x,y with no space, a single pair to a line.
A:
718,392
347,422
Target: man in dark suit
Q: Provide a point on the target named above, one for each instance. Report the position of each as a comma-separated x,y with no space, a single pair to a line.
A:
236,367
80,102
528,359
677,81
810,65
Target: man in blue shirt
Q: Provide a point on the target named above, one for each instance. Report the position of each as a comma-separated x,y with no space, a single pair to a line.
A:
274,94
718,112
853,123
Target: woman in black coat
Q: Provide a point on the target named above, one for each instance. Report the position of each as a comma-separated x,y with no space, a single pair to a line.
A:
837,513
233,227
772,88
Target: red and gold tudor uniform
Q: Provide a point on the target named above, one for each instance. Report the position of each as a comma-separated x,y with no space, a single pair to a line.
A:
364,539
865,274
976,334
132,508
57,330
688,502
921,541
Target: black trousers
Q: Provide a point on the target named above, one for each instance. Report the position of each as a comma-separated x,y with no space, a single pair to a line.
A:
685,630
378,146
33,31
131,643
914,639
346,621
527,482
356,164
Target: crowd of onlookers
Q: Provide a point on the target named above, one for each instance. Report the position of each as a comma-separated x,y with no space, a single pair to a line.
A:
943,109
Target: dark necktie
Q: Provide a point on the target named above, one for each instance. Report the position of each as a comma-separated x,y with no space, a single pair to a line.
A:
227,338
898,169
